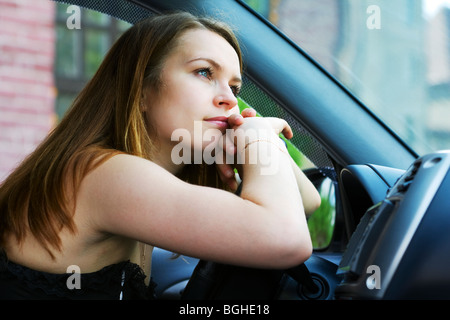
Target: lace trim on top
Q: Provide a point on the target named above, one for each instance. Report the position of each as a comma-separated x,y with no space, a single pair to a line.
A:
124,280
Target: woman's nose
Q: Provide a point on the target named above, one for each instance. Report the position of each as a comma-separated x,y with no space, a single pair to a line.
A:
225,99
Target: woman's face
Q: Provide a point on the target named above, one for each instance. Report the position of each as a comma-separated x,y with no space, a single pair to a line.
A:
199,83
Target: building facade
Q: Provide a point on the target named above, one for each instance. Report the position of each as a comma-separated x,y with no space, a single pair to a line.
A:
27,88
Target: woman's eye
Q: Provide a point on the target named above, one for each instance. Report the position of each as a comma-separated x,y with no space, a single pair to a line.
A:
205,72
235,90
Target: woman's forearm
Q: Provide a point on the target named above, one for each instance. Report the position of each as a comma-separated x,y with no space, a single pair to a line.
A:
310,196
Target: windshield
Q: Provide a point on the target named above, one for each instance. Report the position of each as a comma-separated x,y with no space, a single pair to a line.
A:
393,55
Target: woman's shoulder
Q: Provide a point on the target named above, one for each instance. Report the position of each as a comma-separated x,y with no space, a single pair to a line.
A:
121,169
123,187
127,172
126,163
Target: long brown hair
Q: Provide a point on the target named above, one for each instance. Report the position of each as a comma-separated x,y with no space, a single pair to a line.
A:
105,119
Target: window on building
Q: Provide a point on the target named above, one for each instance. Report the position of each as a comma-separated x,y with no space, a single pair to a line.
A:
79,51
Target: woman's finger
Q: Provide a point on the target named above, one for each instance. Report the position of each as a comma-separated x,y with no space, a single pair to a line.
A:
235,120
227,175
248,112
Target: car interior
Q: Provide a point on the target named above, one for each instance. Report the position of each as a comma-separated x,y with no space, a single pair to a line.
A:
389,207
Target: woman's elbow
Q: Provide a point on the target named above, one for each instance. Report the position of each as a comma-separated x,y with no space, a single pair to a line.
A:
295,251
301,253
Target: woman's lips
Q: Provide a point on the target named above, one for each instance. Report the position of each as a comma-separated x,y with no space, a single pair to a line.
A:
221,122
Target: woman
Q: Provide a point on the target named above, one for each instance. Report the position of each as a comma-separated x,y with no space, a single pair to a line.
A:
105,180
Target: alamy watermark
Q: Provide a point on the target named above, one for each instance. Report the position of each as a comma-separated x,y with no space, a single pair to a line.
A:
74,280
208,146
374,280
373,21
74,20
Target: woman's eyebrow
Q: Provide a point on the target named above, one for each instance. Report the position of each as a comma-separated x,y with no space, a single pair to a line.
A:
216,65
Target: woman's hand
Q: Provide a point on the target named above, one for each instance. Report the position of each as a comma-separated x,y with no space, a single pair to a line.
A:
225,169
310,196
255,126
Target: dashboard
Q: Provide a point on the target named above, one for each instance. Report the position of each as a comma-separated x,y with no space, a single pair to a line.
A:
400,246
398,223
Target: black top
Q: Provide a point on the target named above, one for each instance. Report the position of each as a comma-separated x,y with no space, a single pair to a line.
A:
124,280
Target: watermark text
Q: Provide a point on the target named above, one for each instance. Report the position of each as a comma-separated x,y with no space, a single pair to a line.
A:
74,20
374,280
208,146
373,21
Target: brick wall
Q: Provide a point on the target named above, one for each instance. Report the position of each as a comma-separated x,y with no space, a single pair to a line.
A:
27,94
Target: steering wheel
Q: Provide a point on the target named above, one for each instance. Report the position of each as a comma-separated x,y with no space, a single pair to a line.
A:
215,281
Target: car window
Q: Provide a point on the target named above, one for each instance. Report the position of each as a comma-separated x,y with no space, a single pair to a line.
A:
394,56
